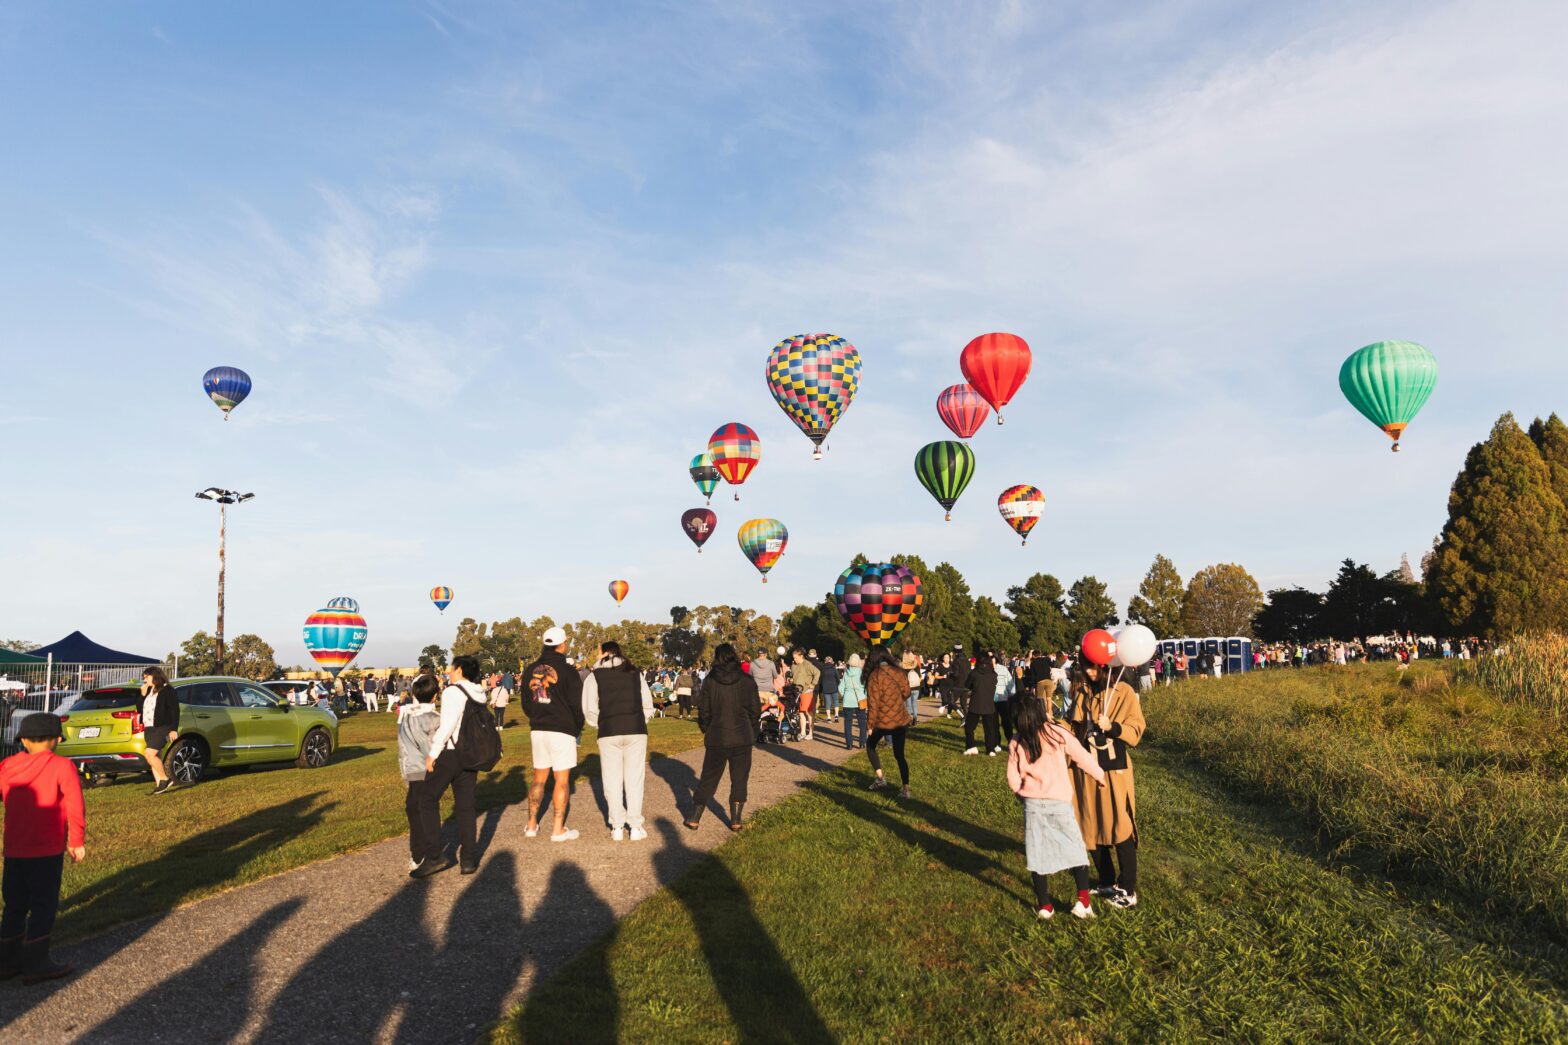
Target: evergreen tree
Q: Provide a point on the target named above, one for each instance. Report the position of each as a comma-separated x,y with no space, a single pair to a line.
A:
1353,607
1036,607
993,631
958,625
1090,606
1502,559
1221,601
1291,615
1157,606
929,633
1551,439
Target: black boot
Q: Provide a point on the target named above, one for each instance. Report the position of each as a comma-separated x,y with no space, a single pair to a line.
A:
10,957
736,810
695,820
37,966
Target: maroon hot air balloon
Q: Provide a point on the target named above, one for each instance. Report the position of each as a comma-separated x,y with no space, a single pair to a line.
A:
962,409
698,524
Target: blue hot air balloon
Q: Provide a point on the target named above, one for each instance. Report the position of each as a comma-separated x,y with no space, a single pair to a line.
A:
227,386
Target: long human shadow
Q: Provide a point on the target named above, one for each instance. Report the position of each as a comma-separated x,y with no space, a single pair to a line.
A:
765,998
592,1009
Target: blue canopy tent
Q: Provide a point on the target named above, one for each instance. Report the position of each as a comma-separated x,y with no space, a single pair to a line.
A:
77,648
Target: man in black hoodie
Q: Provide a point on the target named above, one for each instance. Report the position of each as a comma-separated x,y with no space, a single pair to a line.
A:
553,702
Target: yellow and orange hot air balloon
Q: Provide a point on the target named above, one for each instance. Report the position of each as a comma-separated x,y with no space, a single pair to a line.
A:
618,590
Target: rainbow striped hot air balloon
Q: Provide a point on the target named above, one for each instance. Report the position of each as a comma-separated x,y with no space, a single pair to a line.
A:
763,541
442,597
335,636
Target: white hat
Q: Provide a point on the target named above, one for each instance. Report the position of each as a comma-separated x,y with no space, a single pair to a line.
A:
553,637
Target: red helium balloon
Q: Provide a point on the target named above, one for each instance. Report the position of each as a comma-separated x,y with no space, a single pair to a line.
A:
961,409
1099,646
996,365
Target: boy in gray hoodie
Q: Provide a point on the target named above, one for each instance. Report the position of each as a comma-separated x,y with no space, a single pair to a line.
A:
416,725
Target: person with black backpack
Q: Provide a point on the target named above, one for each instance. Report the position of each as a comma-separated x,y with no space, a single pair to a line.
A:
458,750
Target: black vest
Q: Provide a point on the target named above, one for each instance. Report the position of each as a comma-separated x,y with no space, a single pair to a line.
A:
620,703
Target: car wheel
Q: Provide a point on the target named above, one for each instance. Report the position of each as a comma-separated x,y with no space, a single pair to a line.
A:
187,761
314,750
98,780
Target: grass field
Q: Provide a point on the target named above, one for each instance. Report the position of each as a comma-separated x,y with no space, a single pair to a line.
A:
855,916
146,855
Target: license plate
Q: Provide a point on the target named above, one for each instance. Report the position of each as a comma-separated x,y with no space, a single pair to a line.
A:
87,733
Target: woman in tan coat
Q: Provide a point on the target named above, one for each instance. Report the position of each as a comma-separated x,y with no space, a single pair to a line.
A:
887,689
1108,724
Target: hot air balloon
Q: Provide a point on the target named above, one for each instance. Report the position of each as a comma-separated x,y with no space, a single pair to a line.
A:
227,386
1021,507
618,590
877,599
962,409
704,475
735,450
335,636
343,602
763,541
1389,382
698,524
813,377
944,469
442,597
996,365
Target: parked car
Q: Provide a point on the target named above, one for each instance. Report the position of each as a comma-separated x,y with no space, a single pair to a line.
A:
295,691
224,722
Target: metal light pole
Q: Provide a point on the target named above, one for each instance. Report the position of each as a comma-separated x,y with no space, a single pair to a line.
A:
224,499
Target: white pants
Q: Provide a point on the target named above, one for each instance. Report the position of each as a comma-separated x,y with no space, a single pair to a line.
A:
372,702
623,762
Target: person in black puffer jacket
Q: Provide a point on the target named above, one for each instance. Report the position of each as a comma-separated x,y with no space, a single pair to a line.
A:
981,706
728,708
618,703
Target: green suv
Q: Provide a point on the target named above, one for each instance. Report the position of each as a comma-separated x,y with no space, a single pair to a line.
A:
224,722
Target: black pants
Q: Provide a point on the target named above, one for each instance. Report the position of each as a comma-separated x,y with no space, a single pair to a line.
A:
419,843
714,759
1042,893
1004,718
897,738
31,890
684,700
1126,859
500,715
973,717
462,781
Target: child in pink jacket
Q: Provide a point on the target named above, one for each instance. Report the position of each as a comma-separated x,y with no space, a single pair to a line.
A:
1037,773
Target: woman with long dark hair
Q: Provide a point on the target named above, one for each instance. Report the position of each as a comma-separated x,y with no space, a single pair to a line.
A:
887,690
618,703
728,710
1109,721
160,724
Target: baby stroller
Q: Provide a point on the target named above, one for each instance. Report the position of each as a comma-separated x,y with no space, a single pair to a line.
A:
782,728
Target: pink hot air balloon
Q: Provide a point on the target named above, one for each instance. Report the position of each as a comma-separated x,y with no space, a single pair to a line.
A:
962,409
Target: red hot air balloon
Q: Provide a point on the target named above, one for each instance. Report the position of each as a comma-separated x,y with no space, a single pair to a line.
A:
618,590
996,365
961,409
698,524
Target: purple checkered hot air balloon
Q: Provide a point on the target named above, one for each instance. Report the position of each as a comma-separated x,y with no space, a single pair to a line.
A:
877,599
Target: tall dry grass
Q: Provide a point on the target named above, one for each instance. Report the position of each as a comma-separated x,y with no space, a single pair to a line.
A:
1532,671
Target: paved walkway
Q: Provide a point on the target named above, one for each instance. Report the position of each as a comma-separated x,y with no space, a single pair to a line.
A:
353,950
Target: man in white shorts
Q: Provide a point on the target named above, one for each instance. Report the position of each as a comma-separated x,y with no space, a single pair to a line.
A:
552,698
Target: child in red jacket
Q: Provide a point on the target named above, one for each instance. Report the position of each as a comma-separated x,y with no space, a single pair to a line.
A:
44,819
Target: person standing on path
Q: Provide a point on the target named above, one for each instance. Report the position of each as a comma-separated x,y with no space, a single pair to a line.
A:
1109,724
553,702
500,697
160,722
764,673
887,690
828,686
618,703
45,818
980,706
1037,773
853,692
416,728
804,676
728,707
444,769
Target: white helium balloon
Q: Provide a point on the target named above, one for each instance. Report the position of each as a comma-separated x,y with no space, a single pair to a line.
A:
1134,645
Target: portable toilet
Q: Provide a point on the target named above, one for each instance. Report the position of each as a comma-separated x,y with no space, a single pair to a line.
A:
1189,647
1238,654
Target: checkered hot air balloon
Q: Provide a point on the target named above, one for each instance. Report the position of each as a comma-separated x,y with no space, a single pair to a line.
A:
1021,507
763,541
442,597
618,590
334,636
878,599
227,386
944,469
735,450
962,409
813,377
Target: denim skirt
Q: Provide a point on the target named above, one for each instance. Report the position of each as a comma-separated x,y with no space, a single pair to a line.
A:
1052,841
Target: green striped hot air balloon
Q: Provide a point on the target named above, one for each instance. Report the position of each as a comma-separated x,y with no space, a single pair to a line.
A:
944,469
1389,382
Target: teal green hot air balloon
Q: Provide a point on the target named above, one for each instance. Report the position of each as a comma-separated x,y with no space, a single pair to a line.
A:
1389,382
944,469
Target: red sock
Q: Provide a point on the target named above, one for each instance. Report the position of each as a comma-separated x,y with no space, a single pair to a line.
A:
1047,907
1083,897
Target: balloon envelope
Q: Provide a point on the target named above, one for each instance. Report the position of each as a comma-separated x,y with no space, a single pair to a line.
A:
1134,645
877,599
735,450
962,409
1021,507
1389,382
618,590
813,378
996,365
698,524
343,602
944,469
442,597
227,386
1099,647
763,541
334,637
704,474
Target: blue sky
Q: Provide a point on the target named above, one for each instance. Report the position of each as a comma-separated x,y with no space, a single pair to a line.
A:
498,270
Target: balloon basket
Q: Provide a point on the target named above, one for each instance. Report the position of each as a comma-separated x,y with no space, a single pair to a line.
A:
764,580
816,455
737,497
1392,449
999,418
948,517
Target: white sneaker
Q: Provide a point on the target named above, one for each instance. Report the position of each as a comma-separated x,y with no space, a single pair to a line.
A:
618,835
565,836
1123,899
1082,910
530,832
412,863
1045,914
972,751
993,752
638,834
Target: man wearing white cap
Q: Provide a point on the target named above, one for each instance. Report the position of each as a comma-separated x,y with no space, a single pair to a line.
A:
553,701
